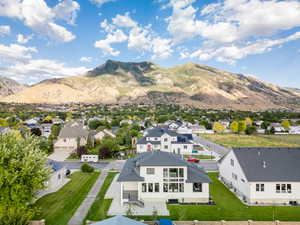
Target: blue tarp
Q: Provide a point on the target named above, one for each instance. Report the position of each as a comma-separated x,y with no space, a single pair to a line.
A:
165,222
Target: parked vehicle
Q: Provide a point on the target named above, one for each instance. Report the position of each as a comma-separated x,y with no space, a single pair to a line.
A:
193,160
163,222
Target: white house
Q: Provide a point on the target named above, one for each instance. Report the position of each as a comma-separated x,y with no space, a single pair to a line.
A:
162,177
165,140
263,175
71,136
294,130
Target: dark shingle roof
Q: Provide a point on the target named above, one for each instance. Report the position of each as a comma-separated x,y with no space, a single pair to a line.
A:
73,130
269,164
130,171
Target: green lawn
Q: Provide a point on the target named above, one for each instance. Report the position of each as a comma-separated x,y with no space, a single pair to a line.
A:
57,208
99,209
200,156
228,207
235,140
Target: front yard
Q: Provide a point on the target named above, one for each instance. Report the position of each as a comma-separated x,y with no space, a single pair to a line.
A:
229,207
235,140
57,208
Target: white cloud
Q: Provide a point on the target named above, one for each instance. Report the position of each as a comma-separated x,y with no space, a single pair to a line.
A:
85,59
15,53
22,39
161,48
40,69
101,2
40,18
4,30
139,39
67,10
116,36
124,21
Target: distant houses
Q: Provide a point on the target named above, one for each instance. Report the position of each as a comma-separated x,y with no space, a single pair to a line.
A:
162,177
263,175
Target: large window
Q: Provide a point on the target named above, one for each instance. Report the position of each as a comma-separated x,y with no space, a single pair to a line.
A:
185,147
165,172
197,187
165,187
165,139
260,187
181,187
150,187
173,172
283,188
181,172
173,187
231,162
156,187
150,171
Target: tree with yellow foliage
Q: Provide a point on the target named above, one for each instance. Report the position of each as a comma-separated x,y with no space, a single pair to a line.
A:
285,124
218,127
248,121
234,126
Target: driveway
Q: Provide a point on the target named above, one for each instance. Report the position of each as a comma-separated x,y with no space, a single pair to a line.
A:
209,165
211,146
60,155
76,165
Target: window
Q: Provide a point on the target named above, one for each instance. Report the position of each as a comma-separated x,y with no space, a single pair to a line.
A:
185,147
283,188
59,176
173,172
231,162
144,187
150,187
234,176
277,188
156,187
197,187
181,172
165,139
166,146
150,170
165,187
289,188
181,187
260,187
173,187
165,172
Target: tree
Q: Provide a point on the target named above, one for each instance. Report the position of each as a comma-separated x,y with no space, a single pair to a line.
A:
248,121
18,189
81,150
285,124
48,119
242,126
108,147
3,122
234,126
218,127
250,130
94,124
36,131
265,125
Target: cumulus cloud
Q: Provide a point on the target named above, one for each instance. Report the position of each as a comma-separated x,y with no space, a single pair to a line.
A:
40,18
36,70
85,59
22,39
139,38
232,29
4,30
100,2
117,36
15,53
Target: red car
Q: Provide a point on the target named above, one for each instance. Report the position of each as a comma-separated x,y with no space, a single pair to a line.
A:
193,160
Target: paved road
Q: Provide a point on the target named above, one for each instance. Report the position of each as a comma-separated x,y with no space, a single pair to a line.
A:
211,146
209,166
74,165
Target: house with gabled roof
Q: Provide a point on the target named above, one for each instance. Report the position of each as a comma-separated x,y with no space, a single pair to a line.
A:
263,175
164,139
163,177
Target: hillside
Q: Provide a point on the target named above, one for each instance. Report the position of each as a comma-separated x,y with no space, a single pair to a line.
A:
193,84
9,86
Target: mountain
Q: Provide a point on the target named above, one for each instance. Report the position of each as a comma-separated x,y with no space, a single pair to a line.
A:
146,82
9,86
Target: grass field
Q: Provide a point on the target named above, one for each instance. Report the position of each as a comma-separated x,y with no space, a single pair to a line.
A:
235,140
200,156
57,208
229,207
99,209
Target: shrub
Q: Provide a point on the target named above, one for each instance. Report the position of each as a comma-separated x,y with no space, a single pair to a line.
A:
86,168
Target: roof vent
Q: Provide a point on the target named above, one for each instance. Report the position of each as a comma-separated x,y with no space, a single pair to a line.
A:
264,164
258,152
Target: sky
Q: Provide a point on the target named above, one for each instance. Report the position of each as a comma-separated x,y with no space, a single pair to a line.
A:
43,39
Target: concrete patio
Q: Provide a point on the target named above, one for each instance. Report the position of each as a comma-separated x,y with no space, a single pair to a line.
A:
116,208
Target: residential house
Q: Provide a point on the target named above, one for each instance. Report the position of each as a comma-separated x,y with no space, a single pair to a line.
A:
99,135
165,140
71,136
118,220
4,130
277,127
58,178
130,122
46,129
294,130
263,175
163,177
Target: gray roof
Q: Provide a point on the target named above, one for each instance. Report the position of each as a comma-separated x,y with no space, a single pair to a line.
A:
269,164
118,220
131,169
73,130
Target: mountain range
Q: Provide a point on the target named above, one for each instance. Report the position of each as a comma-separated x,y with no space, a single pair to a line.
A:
146,82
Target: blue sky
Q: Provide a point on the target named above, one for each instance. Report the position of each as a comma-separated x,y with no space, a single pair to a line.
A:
42,39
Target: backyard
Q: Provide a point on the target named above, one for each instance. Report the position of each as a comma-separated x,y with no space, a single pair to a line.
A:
235,140
58,207
229,207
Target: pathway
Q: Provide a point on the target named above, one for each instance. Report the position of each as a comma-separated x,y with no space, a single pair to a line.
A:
83,209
